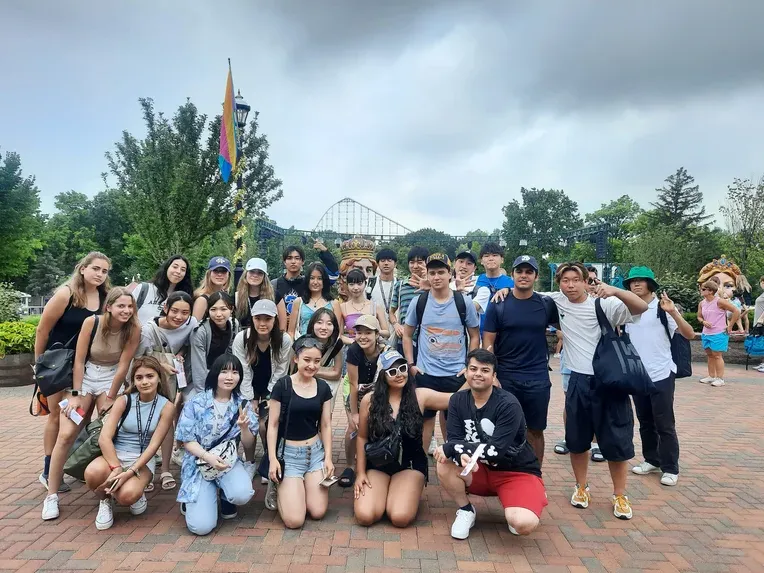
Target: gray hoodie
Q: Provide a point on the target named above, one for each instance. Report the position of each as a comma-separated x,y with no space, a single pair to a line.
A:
200,342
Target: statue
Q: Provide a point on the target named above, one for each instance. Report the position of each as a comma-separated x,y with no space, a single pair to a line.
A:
725,271
356,253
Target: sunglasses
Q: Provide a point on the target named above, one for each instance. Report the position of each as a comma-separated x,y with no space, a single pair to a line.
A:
393,372
307,342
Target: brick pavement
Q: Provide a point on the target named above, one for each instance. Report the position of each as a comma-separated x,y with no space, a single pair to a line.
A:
712,521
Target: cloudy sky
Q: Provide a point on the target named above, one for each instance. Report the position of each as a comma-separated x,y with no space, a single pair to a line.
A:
433,112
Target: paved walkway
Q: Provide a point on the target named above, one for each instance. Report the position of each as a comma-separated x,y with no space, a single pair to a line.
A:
712,521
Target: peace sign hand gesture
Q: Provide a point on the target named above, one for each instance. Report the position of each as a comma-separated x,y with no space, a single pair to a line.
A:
667,304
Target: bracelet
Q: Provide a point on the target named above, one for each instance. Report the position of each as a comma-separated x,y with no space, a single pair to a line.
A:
135,471
112,468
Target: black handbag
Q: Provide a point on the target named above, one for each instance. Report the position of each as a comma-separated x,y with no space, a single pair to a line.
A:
681,351
616,363
286,407
54,369
386,454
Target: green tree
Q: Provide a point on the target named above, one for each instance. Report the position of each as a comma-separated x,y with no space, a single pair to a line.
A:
22,223
45,275
619,214
435,241
173,193
744,214
680,203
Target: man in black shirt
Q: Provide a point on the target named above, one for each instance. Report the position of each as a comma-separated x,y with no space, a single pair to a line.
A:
490,419
289,285
515,331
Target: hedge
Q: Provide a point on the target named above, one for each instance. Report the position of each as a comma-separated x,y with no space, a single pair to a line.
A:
16,338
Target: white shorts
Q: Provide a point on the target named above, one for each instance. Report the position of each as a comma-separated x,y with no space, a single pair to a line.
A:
97,379
128,458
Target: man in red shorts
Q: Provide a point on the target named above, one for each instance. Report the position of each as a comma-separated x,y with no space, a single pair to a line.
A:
507,467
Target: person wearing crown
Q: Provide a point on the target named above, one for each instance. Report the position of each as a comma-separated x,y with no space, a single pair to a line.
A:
356,253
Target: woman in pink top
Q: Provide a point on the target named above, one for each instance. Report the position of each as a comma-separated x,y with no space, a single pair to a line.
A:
712,314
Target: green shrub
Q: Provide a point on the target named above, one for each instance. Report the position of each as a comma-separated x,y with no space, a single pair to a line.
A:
16,338
692,318
10,305
682,289
34,319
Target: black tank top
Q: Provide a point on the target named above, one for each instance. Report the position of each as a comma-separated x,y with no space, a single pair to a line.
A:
70,323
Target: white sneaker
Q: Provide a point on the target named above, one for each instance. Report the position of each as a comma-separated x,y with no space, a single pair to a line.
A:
433,446
177,456
105,518
581,497
264,481
622,507
512,530
669,479
271,496
50,507
464,521
717,382
645,468
707,380
139,506
760,368
63,488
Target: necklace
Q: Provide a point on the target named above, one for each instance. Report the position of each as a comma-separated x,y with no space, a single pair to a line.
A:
355,308
314,302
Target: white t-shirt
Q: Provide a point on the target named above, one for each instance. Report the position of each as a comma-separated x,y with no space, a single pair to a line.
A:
649,339
382,298
152,304
580,329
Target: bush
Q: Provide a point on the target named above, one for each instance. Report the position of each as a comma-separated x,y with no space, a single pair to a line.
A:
34,319
16,338
10,305
682,289
692,318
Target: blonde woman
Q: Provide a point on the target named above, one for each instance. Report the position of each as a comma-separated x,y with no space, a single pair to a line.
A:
105,347
83,295
218,277
255,285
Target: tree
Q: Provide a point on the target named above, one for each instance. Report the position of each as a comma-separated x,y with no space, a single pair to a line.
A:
618,214
173,193
680,203
45,275
542,220
435,241
22,223
744,214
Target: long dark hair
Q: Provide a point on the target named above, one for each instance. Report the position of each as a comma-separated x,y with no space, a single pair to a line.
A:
325,284
215,297
162,283
178,296
333,318
276,339
224,362
381,421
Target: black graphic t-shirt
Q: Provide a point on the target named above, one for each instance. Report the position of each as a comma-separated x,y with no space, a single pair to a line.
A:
500,424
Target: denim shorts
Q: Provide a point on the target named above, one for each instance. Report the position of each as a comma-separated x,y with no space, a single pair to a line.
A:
300,460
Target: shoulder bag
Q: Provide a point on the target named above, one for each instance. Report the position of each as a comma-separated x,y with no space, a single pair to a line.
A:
387,454
681,352
159,351
54,369
227,450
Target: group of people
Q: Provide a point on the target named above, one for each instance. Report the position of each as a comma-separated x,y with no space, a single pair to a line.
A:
195,376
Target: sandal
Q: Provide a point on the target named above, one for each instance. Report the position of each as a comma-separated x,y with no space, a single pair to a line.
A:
149,488
597,455
168,482
561,448
347,479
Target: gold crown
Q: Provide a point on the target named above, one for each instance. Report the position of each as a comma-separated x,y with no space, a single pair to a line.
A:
720,265
357,248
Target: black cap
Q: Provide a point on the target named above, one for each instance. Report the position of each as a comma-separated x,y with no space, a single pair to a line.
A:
526,260
387,254
467,255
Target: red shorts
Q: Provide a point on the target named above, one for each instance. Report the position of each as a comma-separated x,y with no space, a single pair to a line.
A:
514,489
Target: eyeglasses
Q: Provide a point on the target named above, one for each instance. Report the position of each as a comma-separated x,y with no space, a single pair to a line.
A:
393,372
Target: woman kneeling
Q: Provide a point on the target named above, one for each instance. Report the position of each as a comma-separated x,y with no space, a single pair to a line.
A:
130,437
392,464
210,428
300,435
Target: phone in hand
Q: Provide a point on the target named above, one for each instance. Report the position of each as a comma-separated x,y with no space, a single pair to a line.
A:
111,485
473,460
329,481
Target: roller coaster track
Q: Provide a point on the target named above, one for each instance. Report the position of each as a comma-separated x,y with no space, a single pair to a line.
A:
349,217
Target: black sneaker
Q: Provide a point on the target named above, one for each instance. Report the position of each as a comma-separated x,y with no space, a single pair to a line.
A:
227,509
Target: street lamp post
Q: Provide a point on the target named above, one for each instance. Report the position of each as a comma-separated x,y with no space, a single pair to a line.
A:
242,111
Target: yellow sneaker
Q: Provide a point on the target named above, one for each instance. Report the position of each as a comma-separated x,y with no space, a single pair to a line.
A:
581,497
622,507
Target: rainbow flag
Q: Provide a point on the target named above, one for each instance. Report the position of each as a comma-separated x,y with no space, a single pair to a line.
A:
229,132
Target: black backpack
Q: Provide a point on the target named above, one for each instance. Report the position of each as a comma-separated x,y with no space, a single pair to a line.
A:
461,308
616,363
681,352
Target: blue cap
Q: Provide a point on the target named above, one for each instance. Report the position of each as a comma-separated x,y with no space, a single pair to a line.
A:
526,260
390,357
219,263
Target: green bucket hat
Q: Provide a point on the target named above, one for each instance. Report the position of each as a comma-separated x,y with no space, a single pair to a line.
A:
645,273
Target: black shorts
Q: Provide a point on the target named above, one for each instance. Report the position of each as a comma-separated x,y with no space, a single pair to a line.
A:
439,384
607,415
417,462
533,396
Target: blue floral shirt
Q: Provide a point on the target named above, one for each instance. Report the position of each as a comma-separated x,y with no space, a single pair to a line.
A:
196,423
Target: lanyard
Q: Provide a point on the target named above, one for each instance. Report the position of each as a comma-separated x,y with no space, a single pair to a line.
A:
143,436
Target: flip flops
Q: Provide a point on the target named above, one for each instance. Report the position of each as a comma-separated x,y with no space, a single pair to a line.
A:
597,455
561,448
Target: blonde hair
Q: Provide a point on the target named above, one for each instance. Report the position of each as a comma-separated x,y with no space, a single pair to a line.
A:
76,283
207,288
242,293
574,266
743,284
127,329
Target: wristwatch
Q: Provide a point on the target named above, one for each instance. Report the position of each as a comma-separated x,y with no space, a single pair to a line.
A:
75,393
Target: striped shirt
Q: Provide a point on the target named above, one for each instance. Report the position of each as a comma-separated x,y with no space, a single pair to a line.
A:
402,294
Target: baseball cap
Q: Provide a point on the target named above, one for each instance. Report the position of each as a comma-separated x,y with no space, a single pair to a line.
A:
438,260
257,265
219,263
467,255
264,306
526,260
368,321
390,357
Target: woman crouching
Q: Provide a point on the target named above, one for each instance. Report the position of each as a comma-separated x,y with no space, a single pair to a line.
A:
130,437
210,428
